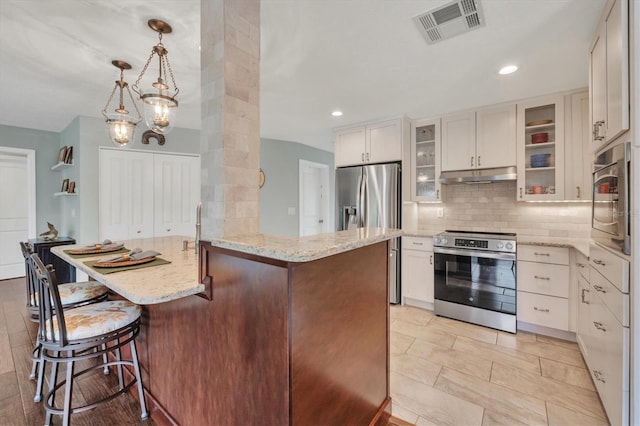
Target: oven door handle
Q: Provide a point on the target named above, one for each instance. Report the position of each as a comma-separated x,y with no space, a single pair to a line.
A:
475,253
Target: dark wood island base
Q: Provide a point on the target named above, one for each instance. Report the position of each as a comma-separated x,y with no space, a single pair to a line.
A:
279,343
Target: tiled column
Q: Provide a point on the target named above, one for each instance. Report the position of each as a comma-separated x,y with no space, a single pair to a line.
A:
230,135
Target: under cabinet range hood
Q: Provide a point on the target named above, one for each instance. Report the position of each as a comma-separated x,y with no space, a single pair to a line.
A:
498,174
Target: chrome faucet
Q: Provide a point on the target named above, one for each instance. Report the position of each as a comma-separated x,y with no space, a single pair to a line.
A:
198,226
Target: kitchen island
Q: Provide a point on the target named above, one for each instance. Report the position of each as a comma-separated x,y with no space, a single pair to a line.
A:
264,330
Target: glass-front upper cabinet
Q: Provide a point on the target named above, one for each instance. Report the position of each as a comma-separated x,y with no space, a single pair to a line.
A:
425,156
540,149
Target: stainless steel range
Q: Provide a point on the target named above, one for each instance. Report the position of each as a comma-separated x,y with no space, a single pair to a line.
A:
475,278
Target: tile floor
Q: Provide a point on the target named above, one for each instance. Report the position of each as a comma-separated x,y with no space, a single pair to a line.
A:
446,372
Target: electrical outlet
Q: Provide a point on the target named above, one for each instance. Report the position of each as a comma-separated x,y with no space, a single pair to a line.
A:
440,212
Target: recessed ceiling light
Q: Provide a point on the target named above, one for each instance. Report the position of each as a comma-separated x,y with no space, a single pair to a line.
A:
508,69
336,113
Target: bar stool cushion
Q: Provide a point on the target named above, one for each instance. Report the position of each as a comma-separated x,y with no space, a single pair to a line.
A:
97,319
72,293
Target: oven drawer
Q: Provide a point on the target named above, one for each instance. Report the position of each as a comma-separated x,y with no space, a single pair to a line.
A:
544,254
547,279
417,243
612,267
547,311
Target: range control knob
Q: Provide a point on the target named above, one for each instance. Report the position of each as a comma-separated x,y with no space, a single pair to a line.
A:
509,246
499,245
443,241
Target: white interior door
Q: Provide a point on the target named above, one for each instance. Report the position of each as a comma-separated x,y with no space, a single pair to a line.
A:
17,208
126,194
314,199
176,195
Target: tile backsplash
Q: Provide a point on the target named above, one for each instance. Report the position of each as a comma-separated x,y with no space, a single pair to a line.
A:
493,208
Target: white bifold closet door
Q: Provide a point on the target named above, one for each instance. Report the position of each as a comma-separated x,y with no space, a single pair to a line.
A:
146,194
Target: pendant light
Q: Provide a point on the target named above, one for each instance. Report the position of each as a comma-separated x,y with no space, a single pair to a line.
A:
159,105
121,123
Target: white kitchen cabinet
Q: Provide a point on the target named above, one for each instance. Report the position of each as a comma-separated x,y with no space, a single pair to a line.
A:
609,74
577,164
479,139
543,286
540,149
583,328
145,194
425,160
372,143
417,272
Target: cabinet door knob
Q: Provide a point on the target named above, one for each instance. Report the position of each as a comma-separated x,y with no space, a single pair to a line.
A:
168,229
137,232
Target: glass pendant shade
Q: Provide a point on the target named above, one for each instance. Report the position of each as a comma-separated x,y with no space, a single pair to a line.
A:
160,106
120,123
159,111
121,129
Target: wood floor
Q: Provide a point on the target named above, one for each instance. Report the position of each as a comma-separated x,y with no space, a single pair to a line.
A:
443,372
446,372
17,335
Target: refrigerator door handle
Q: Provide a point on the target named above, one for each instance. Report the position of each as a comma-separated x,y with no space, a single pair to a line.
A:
361,200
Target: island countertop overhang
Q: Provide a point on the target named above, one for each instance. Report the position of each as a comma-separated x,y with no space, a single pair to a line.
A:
304,249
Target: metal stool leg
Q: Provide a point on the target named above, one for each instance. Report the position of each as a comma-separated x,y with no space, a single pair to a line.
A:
67,391
136,368
41,368
52,382
105,359
119,366
36,361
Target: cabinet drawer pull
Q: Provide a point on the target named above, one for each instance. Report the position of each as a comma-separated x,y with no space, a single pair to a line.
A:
479,161
582,296
600,289
580,265
438,194
471,161
541,278
598,375
417,244
431,260
599,326
599,262
541,254
363,157
535,308
578,195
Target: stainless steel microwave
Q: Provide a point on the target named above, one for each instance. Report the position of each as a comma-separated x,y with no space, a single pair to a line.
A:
610,218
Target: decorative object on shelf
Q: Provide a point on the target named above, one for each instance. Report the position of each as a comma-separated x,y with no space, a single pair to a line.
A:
159,106
539,122
149,134
121,123
72,187
261,179
540,160
65,185
62,155
51,234
539,138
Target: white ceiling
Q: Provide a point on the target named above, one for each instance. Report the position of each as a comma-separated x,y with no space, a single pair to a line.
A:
364,57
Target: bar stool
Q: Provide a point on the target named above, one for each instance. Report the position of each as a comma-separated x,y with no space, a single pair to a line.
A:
76,334
71,295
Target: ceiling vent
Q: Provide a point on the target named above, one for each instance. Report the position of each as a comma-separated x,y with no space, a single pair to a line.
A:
450,20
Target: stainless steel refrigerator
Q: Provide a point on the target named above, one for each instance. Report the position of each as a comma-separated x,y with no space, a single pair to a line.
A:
370,196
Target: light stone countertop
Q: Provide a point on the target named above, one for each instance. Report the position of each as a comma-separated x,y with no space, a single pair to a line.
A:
417,233
580,244
163,283
147,286
305,249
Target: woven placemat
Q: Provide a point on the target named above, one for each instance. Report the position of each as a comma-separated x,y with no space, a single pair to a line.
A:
104,271
75,256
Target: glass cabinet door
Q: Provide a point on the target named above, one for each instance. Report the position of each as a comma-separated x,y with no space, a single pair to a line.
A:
541,150
425,152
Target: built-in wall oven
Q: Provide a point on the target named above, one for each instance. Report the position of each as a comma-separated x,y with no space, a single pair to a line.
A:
610,219
475,278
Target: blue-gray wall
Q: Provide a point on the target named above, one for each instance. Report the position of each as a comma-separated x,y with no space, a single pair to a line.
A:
280,162
78,216
47,147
